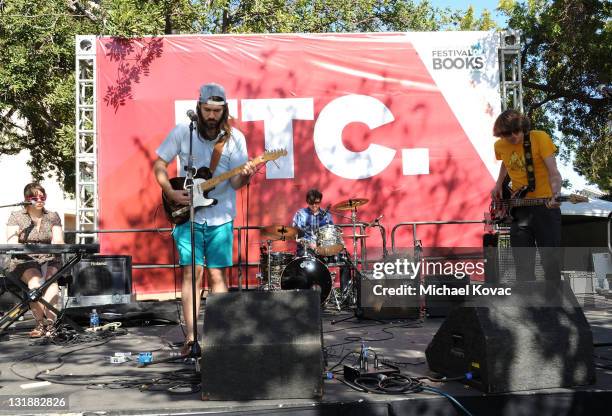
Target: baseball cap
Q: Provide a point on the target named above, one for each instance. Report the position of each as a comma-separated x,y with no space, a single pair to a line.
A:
212,94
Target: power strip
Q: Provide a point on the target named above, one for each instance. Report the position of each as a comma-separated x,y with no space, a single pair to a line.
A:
352,373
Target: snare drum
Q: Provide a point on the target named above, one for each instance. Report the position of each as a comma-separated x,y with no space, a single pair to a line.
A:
307,273
278,261
329,240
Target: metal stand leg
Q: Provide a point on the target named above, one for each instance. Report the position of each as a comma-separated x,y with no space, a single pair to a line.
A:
35,295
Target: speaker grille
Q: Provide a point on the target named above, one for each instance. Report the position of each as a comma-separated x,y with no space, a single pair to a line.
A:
262,345
102,275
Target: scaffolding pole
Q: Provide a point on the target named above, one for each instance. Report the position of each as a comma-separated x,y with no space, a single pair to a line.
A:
86,146
510,70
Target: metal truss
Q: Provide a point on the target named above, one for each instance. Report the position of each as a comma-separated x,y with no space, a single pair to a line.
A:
86,146
510,70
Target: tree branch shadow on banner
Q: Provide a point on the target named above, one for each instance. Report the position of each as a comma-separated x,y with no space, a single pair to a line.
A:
135,57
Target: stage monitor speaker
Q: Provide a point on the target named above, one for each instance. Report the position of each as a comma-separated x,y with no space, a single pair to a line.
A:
100,280
535,338
262,345
385,307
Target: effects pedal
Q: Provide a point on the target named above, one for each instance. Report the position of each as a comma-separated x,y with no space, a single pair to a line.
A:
353,373
376,369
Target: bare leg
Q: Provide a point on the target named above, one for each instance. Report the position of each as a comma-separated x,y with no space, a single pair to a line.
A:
51,295
187,299
216,280
33,279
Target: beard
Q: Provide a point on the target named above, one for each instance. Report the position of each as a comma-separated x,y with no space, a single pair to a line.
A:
213,124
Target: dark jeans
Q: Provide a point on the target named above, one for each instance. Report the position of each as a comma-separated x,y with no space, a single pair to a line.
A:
539,227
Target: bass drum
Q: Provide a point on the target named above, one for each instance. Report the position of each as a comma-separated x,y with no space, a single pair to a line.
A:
307,273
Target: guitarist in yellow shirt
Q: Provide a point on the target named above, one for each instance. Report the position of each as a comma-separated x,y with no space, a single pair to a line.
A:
532,226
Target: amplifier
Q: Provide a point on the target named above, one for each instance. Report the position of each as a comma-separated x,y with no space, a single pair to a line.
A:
101,280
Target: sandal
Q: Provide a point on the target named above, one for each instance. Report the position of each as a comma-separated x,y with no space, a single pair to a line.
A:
50,328
38,331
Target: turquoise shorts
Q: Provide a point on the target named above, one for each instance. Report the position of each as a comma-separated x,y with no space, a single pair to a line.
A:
214,244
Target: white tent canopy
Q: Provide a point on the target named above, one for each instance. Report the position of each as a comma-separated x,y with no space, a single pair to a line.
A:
593,208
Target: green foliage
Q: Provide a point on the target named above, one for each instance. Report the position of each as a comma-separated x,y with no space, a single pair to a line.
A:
37,84
565,61
467,20
565,58
317,16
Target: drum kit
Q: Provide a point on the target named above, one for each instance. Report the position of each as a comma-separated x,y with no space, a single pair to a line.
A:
284,271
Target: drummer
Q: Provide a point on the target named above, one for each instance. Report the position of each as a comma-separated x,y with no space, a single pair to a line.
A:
310,219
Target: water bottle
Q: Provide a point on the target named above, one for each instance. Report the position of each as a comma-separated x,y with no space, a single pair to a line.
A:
94,319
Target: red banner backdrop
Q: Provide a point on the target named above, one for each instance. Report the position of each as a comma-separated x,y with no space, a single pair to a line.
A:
362,116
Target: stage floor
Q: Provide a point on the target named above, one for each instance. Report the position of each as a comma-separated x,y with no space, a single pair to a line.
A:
402,342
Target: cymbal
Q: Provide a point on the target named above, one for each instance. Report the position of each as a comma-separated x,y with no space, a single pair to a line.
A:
356,236
350,204
280,231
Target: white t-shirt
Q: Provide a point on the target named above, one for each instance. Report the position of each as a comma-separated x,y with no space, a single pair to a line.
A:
234,154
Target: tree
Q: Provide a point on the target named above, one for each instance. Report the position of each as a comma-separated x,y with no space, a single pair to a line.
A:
37,99
566,72
565,59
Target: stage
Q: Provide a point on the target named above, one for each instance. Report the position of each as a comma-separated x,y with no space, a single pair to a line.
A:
78,370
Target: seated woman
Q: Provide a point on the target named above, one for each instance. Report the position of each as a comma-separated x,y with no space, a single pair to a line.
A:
34,224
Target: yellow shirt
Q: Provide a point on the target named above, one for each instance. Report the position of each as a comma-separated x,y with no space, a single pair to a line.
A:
513,157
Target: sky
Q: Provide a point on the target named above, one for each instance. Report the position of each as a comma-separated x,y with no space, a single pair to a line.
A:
567,171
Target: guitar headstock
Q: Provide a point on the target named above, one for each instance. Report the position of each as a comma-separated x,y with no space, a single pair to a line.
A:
576,199
272,155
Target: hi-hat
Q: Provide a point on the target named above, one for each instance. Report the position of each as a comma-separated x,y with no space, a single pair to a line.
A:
350,204
281,232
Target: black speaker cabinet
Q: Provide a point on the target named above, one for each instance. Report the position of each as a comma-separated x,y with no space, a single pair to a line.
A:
536,338
441,305
491,255
499,259
372,305
101,275
262,345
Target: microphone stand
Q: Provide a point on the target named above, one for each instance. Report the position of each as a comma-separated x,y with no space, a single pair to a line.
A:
196,351
17,204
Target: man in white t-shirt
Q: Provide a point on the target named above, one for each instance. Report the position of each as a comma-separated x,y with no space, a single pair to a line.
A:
213,225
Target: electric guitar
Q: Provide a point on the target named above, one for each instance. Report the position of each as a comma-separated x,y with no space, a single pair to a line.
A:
501,209
203,183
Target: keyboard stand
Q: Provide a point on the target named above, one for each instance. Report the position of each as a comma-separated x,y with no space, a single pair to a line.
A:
35,295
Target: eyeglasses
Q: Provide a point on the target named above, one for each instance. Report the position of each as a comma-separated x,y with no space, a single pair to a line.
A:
317,202
42,198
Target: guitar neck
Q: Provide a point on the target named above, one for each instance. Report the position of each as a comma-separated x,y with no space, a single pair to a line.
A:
530,202
214,181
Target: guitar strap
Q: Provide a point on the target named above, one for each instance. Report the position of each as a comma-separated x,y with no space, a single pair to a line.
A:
531,182
214,159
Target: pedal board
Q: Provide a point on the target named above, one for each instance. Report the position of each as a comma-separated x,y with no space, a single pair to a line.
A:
353,373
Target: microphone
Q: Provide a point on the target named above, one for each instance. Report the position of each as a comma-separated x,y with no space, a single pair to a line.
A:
192,115
375,221
26,203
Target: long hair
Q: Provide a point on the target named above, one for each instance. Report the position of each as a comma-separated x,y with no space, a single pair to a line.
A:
224,122
511,121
